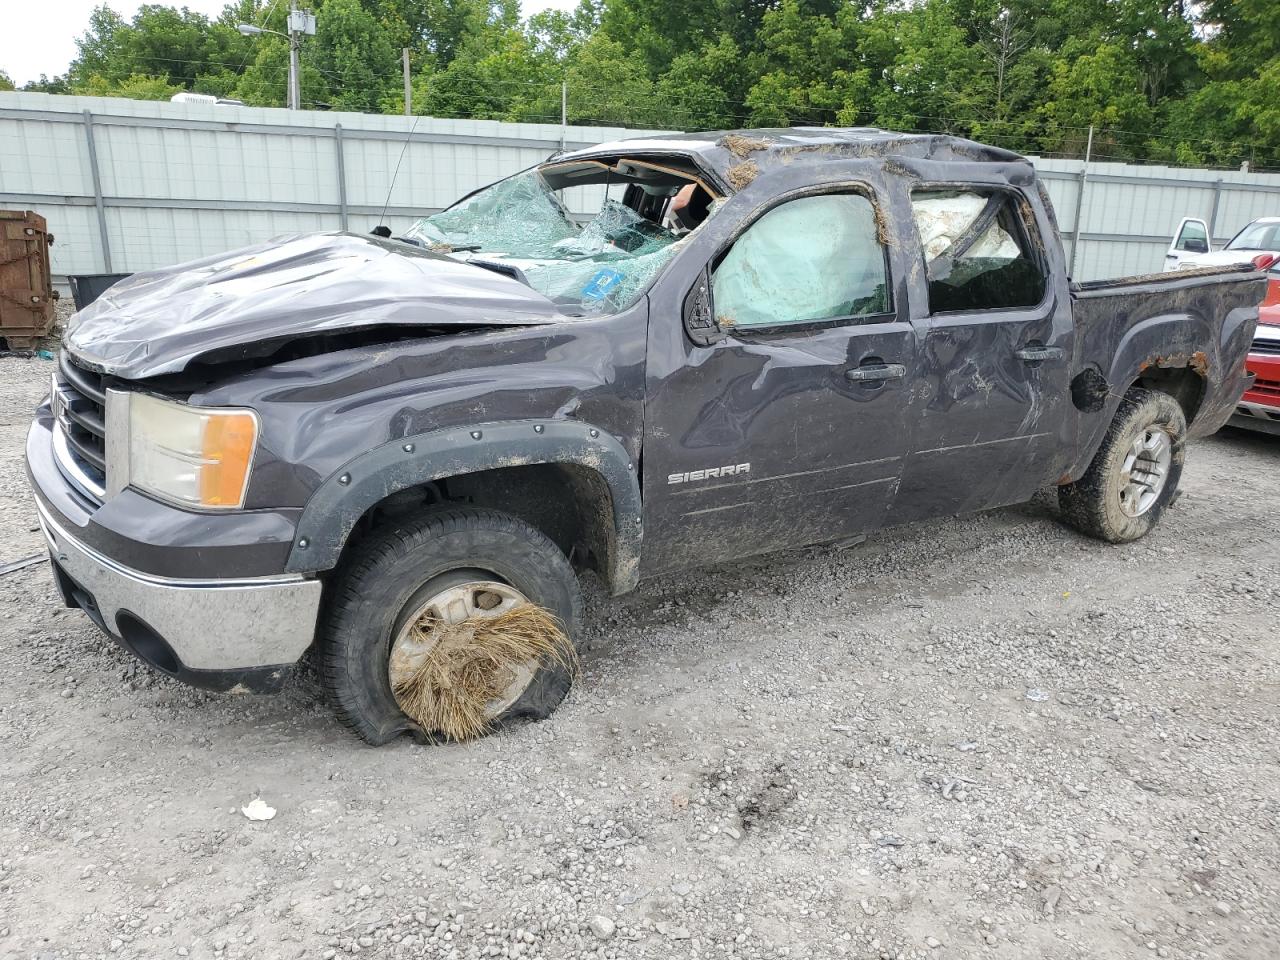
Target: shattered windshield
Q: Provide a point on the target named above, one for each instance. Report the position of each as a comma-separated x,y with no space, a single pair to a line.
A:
587,261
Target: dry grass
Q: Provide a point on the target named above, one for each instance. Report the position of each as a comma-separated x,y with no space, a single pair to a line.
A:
471,664
741,174
740,146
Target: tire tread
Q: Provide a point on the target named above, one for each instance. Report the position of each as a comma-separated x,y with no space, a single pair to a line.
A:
375,558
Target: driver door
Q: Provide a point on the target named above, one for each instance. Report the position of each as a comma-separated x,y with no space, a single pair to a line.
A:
791,428
1190,240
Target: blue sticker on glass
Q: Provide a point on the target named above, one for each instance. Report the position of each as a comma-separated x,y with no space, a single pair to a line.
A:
602,284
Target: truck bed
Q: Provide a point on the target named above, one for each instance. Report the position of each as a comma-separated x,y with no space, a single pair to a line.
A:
1164,326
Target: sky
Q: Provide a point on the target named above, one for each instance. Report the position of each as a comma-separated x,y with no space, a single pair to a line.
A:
38,36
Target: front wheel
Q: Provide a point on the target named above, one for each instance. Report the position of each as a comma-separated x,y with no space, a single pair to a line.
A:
1135,472
450,626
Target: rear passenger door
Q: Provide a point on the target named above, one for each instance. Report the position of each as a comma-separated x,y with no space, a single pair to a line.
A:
993,385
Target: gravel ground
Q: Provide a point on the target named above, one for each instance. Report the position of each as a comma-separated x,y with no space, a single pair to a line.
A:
986,737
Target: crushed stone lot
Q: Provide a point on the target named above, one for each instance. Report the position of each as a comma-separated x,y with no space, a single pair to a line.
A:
984,737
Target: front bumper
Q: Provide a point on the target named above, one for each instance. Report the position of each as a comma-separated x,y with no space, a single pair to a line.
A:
1264,418
203,598
1259,407
232,634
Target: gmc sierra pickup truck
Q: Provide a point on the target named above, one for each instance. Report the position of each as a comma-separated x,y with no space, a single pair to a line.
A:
636,358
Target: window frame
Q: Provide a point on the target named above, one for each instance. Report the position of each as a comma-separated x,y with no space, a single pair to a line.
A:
1180,240
1038,252
860,188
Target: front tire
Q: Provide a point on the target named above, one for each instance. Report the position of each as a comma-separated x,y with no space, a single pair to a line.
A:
395,573
1135,473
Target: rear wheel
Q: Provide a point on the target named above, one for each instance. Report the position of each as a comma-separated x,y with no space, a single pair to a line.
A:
1135,472
422,600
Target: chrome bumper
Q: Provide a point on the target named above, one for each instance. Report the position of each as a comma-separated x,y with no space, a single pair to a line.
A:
1256,416
207,626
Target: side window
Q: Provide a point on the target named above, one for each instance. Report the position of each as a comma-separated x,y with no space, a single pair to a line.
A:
806,260
1193,238
976,251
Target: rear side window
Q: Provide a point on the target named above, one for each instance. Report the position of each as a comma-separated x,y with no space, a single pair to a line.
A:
807,260
976,250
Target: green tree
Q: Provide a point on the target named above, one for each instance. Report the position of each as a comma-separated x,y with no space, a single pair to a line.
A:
932,75
1101,88
138,86
47,84
704,89
353,53
5,82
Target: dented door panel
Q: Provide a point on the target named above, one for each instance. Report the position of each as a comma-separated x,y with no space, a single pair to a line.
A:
991,407
775,438
780,448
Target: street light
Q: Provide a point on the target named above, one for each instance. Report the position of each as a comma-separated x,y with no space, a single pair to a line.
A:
301,23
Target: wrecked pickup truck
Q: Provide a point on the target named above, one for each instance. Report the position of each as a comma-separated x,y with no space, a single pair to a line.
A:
750,341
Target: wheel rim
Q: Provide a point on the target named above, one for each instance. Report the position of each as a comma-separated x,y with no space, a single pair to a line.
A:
1145,470
454,605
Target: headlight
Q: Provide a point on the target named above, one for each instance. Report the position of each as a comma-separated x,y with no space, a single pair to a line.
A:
192,456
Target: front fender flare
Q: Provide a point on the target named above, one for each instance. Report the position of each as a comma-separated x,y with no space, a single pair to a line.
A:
347,494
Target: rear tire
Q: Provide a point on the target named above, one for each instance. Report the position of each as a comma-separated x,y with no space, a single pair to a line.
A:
388,577
1135,472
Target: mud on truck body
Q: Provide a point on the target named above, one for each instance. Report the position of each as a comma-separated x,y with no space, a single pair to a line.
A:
761,340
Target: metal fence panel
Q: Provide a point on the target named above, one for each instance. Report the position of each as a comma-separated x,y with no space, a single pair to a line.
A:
183,180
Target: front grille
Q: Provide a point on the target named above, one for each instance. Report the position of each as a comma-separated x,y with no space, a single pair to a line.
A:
1270,348
1269,387
81,409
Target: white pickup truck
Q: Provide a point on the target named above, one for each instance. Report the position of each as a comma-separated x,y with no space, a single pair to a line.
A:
1192,246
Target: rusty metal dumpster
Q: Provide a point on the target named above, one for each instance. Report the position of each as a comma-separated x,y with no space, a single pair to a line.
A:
26,289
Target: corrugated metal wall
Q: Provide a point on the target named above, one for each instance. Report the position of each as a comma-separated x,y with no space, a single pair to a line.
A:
1129,211
184,180
178,181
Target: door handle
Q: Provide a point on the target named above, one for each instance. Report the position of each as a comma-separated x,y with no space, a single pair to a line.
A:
1034,354
876,371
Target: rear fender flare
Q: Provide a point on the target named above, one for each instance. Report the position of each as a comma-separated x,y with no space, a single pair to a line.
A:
347,494
1163,341
1171,340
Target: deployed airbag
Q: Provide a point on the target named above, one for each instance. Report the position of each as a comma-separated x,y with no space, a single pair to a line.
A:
809,259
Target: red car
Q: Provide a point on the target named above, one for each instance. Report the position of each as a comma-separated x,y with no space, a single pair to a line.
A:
1259,408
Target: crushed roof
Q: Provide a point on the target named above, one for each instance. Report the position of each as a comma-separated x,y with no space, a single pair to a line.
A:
722,150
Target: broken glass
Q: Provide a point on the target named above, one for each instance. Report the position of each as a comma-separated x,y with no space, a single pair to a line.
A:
598,283
975,251
617,227
520,216
521,224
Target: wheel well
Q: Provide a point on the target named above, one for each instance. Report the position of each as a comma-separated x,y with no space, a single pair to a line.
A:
570,503
1184,384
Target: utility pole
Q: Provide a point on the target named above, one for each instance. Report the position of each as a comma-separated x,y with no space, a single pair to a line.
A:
1084,176
295,65
564,114
301,23
408,87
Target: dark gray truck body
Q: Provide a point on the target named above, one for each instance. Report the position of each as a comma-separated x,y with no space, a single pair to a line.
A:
386,378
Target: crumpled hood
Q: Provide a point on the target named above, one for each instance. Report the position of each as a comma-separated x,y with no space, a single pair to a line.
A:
246,302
